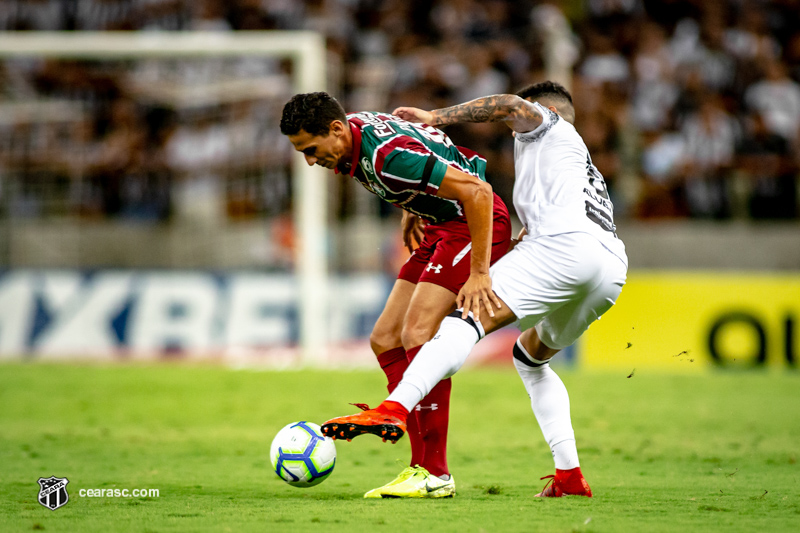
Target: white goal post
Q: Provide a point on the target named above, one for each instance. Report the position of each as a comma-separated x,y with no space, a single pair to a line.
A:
307,51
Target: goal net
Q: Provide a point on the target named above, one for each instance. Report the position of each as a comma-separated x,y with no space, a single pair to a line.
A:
175,135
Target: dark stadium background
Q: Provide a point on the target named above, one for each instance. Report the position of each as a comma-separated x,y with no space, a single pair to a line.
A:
116,174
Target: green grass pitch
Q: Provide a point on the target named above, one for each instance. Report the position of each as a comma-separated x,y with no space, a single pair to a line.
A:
713,452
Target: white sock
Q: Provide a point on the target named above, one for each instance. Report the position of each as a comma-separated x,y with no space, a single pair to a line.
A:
439,358
550,403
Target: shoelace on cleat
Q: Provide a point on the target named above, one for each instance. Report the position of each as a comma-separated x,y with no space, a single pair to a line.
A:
549,485
362,406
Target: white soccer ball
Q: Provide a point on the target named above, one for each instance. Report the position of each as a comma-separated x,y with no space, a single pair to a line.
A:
301,455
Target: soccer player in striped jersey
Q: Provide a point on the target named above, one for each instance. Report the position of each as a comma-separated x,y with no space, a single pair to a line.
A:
567,269
461,226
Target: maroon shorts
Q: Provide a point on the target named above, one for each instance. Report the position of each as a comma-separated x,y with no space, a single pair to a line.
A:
443,257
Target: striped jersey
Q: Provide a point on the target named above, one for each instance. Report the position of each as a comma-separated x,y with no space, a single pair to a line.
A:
404,163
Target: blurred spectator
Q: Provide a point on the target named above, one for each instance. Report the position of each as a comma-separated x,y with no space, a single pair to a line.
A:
209,15
127,176
710,137
765,159
616,19
750,38
792,57
481,77
603,63
717,67
663,90
97,15
662,193
777,98
39,15
458,20
164,15
655,91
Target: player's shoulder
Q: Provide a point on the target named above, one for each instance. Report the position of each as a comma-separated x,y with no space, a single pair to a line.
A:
553,128
549,120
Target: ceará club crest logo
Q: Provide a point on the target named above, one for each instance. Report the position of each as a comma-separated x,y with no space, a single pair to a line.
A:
53,492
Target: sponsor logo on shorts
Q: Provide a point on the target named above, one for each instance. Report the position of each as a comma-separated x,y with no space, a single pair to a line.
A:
436,269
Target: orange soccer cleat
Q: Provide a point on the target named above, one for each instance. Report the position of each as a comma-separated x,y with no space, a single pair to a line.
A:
565,483
386,421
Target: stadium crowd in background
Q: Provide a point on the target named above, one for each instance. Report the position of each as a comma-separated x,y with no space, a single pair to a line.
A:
690,108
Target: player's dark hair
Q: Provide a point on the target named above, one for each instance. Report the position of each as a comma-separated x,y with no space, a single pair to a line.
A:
549,89
550,92
312,113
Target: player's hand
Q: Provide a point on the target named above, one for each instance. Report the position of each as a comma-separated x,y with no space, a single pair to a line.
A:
477,291
413,230
413,114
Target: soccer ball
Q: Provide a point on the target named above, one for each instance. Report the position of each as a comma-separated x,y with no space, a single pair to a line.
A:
301,455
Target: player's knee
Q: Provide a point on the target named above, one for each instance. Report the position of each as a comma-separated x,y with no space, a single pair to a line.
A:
382,340
416,334
542,352
535,347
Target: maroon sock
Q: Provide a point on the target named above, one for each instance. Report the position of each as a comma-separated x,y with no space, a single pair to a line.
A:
394,362
433,416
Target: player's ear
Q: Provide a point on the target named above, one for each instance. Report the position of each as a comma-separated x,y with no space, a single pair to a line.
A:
336,128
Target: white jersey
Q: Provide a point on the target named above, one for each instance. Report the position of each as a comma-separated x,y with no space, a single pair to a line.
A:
558,190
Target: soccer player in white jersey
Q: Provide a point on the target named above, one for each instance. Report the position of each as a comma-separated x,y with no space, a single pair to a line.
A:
567,269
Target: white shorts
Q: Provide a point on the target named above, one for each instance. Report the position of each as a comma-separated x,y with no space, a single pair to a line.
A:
559,283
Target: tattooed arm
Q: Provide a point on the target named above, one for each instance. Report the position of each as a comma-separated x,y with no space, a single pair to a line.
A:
518,114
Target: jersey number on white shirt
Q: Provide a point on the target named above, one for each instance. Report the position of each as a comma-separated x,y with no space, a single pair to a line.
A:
600,210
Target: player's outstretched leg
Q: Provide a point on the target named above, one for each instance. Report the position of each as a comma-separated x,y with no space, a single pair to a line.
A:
387,421
550,404
439,358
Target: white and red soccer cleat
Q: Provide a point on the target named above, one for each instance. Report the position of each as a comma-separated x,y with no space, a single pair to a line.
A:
565,483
